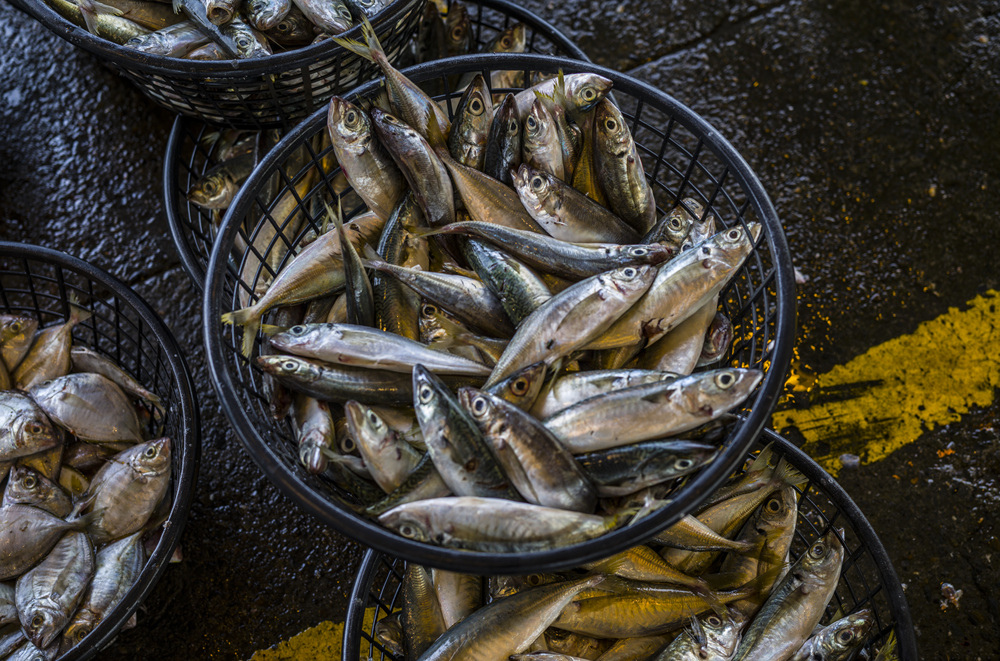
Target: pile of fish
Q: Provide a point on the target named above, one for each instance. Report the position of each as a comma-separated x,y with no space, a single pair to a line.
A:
722,585
216,29
441,33
522,354
83,486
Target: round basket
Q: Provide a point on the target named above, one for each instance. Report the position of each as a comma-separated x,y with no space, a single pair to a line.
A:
260,93
683,157
186,160
40,283
867,579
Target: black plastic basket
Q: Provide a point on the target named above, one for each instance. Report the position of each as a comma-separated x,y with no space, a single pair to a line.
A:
40,282
186,160
683,156
867,579
274,91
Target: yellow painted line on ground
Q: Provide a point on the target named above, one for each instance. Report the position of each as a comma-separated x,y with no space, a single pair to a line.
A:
890,395
870,406
319,643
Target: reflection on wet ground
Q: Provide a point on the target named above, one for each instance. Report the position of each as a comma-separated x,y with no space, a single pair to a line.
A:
874,128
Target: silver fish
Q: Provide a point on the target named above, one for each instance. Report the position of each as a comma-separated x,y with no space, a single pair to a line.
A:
90,406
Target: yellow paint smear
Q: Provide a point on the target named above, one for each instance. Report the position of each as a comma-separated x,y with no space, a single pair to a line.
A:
888,396
319,643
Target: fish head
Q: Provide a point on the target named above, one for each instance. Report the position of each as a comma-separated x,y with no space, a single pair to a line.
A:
477,100
611,130
150,458
29,487
721,390
215,191
311,446
429,397
298,336
677,225
538,122
392,130
84,621
510,121
689,456
654,253
532,186
458,29
824,557
348,125
522,387
33,429
367,426
411,523
718,339
720,634
586,90
778,511
511,40
479,404
17,330
41,624
290,366
631,281
264,15
848,633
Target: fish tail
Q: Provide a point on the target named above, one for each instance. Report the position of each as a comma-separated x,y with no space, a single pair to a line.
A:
701,588
249,319
788,474
76,313
371,260
371,50
763,459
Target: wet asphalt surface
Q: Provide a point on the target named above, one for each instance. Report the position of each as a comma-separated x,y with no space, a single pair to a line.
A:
874,126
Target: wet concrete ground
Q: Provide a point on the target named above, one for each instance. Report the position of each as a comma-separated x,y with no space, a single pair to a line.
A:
875,128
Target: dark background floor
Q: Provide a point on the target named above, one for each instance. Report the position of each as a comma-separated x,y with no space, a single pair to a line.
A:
875,126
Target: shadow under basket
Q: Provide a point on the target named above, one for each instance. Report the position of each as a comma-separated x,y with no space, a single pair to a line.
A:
42,284
867,579
267,92
189,156
683,157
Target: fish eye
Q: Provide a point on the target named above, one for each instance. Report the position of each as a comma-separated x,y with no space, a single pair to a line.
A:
629,272
351,117
674,222
505,42
520,386
297,330
457,32
531,123
150,452
210,187
344,12
534,580
476,106
284,27
817,550
243,41
372,418
845,636
725,380
773,505
16,326
588,94
479,405
426,394
407,531
429,310
611,124
29,481
734,234
713,621
37,621
683,464
348,445
35,429
289,365
640,252
537,182
512,127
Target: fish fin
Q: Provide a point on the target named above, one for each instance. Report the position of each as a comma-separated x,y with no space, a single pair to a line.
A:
103,9
370,50
249,319
178,6
435,134
76,313
763,460
788,474
705,592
